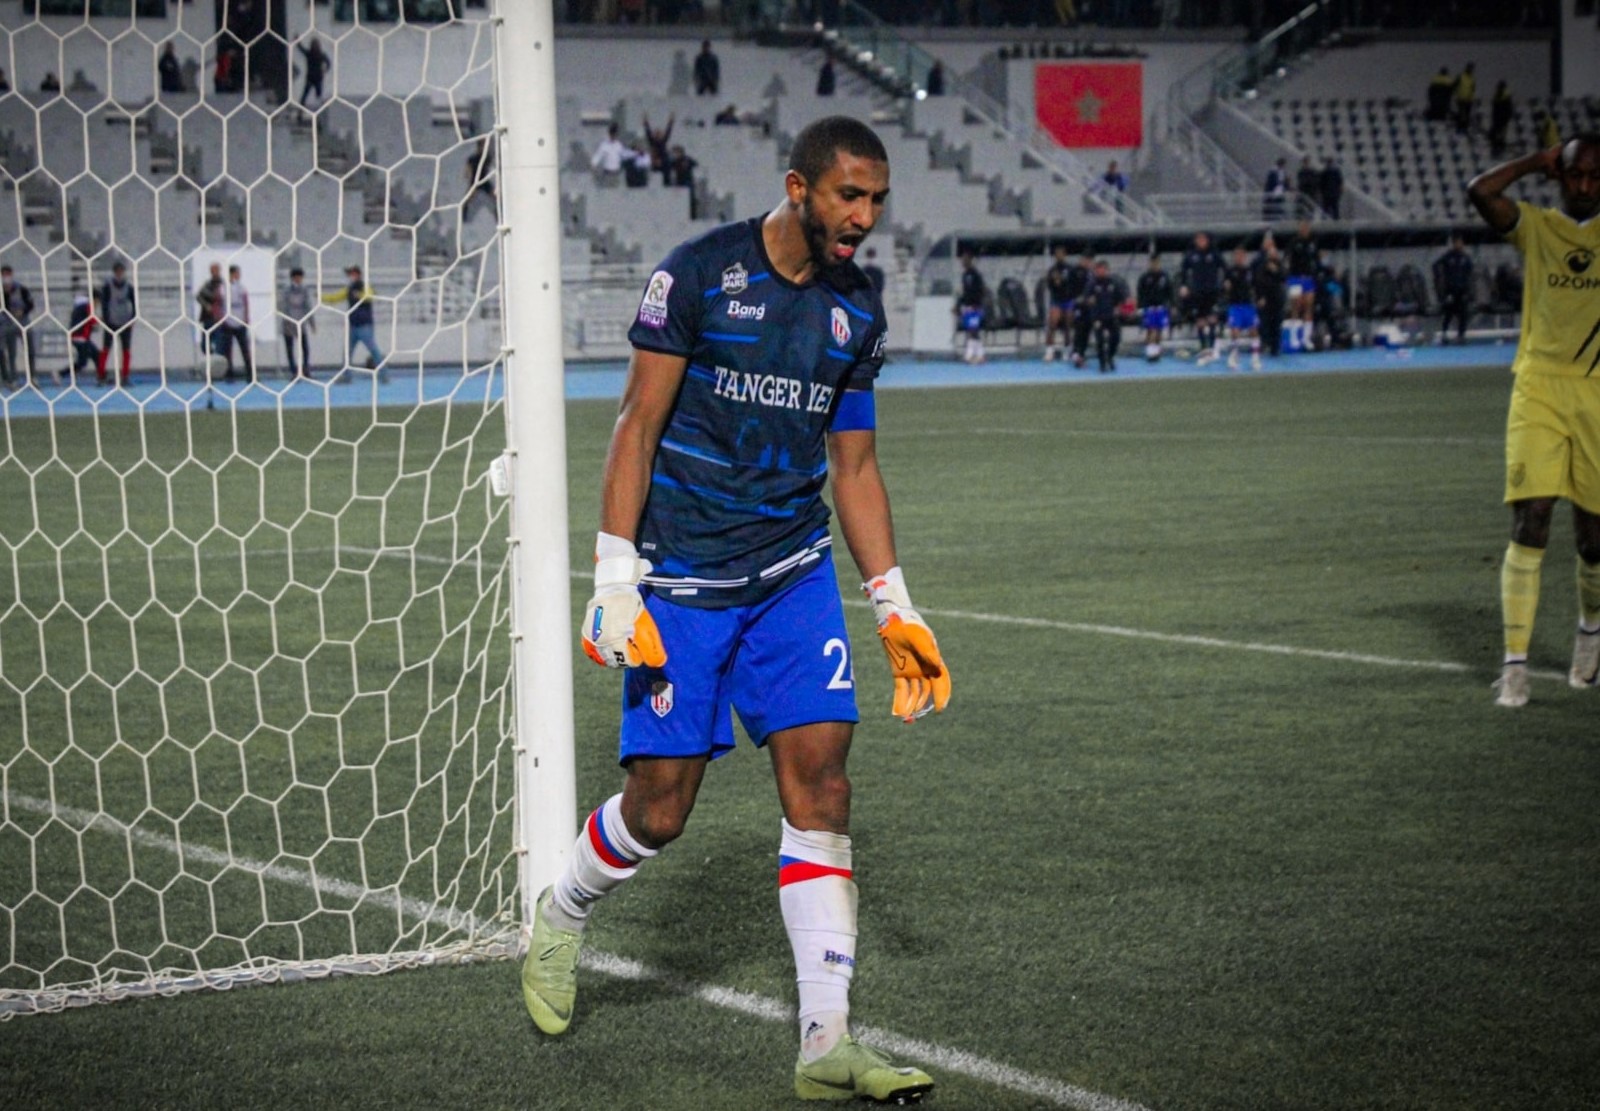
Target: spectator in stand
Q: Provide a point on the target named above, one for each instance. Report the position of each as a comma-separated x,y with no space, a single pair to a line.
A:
1268,279
874,272
50,84
295,306
1155,303
969,307
729,115
1501,108
235,326
1465,95
212,297
678,173
80,331
119,308
707,71
936,78
317,65
16,312
5,82
636,168
357,296
679,170
1331,186
170,70
1307,190
827,80
1114,180
609,156
1275,192
658,142
1452,284
1440,90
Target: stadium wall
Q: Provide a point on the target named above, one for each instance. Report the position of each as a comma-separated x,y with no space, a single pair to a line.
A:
1580,48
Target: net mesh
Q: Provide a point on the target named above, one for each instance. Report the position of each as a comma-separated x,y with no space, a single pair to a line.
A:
254,657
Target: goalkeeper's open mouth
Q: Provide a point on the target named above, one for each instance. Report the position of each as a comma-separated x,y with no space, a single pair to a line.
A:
844,247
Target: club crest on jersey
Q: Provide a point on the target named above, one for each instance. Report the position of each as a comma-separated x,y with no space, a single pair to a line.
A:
735,279
661,697
841,327
653,309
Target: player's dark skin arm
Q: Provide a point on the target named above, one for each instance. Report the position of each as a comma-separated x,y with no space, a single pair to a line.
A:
658,793
1530,517
861,501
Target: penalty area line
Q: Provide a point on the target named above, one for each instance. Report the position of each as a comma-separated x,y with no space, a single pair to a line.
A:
942,1058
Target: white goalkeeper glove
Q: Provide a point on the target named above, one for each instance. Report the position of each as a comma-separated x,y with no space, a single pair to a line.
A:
617,630
921,679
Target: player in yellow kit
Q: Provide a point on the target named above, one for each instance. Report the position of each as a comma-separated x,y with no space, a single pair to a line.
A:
1553,429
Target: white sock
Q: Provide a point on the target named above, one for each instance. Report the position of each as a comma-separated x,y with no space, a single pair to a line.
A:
818,897
604,856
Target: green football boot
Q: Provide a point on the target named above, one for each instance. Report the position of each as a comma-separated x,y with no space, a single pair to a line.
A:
550,972
852,1071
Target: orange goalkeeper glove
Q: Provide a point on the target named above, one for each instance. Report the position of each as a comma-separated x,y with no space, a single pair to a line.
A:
617,630
921,679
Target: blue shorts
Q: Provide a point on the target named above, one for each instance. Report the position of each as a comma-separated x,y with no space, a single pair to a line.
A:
1241,318
971,320
1157,318
1301,284
782,662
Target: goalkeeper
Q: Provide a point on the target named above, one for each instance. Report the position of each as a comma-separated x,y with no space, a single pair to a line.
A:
755,350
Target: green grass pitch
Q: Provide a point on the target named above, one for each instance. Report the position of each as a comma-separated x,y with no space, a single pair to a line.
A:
1221,814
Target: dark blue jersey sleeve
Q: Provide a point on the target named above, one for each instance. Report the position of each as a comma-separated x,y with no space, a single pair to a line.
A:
671,311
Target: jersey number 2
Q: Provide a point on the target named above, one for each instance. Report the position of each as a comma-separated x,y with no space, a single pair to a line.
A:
843,677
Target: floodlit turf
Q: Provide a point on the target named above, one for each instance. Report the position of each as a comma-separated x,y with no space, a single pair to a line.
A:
1226,820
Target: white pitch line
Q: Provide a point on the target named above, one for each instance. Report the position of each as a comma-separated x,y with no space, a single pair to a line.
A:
1204,437
1217,642
942,1058
1199,641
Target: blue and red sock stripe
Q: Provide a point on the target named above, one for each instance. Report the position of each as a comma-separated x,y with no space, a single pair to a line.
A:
602,846
791,869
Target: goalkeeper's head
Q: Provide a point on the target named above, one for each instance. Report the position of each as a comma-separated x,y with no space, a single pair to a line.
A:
838,181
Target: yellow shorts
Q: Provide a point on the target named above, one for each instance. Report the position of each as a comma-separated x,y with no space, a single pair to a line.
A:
1553,439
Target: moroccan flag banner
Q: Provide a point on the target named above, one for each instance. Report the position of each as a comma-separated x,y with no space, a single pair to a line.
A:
1089,104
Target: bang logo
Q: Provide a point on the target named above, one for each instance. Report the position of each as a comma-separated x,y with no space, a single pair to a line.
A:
841,327
661,698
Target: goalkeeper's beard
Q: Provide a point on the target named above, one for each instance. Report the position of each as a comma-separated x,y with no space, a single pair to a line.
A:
818,242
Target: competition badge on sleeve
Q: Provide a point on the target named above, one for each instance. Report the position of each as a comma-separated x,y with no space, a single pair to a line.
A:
653,309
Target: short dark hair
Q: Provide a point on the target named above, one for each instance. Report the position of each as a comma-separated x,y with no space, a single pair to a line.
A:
5,269
819,144
297,273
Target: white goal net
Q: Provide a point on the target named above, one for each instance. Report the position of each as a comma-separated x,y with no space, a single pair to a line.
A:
259,617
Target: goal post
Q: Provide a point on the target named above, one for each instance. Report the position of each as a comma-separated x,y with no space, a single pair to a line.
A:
285,660
536,447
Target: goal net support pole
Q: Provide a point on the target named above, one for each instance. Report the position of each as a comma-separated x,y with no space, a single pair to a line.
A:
536,442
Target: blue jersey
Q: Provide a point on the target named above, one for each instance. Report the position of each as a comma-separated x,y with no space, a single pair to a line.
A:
735,509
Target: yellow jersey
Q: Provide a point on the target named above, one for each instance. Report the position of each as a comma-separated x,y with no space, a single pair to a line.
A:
1560,293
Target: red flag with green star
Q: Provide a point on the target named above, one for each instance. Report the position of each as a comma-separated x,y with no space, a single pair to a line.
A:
1090,105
